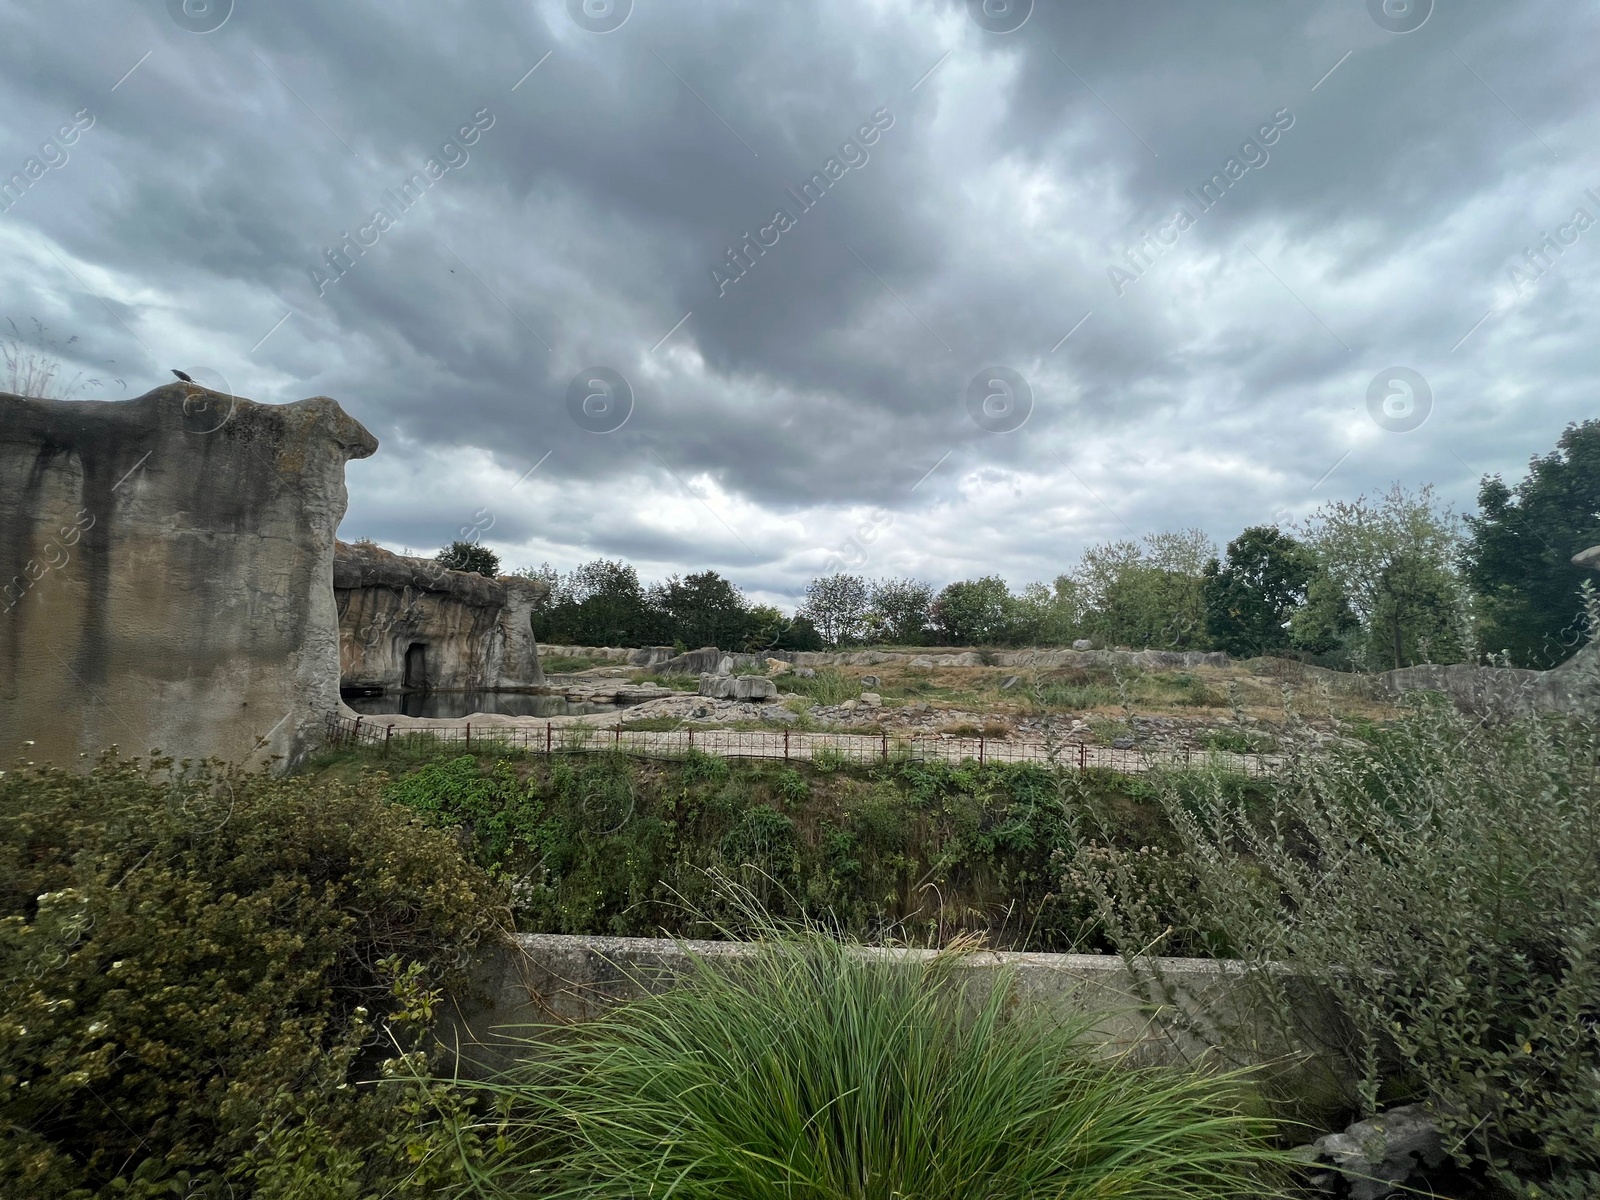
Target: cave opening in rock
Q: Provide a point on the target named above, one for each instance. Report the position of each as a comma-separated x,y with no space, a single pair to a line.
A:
416,669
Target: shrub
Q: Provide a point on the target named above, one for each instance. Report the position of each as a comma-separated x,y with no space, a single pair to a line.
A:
903,849
195,971
810,1070
1442,890
470,557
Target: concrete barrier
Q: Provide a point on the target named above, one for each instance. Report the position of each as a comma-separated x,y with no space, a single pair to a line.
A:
1162,1010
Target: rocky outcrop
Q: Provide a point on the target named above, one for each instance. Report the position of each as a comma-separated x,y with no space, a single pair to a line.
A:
166,565
737,687
408,623
1573,687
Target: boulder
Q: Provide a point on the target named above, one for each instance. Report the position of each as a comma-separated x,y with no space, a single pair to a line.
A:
871,700
649,656
1083,644
1373,1158
869,681
737,687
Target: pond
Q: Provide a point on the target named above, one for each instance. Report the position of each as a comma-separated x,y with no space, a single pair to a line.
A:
463,704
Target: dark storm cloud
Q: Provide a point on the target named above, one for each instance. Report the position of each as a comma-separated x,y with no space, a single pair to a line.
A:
555,200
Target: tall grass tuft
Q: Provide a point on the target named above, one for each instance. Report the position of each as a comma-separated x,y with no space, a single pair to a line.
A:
812,1070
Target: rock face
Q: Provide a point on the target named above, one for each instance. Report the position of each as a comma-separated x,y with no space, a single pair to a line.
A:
1573,687
737,687
166,565
408,623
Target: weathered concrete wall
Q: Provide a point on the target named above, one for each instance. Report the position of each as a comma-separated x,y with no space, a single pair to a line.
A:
543,979
167,570
474,632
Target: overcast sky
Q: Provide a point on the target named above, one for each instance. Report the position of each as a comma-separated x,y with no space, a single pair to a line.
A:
580,169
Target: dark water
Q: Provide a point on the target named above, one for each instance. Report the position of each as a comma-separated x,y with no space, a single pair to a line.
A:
462,704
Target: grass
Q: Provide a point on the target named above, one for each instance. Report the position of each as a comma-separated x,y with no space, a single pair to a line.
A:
810,1070
827,686
1239,741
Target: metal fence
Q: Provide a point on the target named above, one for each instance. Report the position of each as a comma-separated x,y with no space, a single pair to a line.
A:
782,744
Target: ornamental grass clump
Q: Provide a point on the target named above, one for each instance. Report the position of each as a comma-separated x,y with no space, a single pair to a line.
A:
808,1069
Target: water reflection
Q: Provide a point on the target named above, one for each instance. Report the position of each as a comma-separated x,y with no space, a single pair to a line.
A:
463,704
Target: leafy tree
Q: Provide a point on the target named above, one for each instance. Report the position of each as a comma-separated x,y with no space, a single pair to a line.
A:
469,556
1393,558
1149,594
702,609
1250,597
837,606
974,612
599,604
900,611
1325,627
799,634
1517,557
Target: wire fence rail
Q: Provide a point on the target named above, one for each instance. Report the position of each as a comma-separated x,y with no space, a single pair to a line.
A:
834,749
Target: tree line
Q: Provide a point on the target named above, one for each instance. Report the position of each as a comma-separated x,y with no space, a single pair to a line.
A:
1382,581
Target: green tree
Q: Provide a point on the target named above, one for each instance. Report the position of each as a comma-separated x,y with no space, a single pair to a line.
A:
1393,558
975,612
1149,594
1250,597
703,609
1325,627
469,556
837,606
1517,557
599,604
899,611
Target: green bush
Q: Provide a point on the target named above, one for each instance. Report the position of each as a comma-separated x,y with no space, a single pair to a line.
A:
200,971
908,850
810,1070
1440,891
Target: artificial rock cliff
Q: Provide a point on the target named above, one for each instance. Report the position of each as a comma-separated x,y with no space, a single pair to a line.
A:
166,565
1573,687
408,623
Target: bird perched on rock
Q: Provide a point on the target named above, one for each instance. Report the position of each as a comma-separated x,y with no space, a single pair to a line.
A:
181,375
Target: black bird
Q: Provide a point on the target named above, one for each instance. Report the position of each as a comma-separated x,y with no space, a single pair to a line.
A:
181,375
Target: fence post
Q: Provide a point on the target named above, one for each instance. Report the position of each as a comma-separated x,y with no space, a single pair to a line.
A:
885,745
1083,757
387,734
980,750
617,741
785,745
691,737
356,736
469,735
547,737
